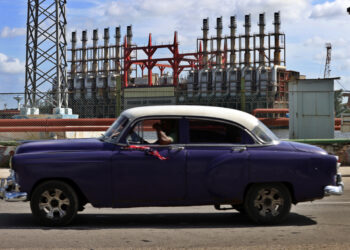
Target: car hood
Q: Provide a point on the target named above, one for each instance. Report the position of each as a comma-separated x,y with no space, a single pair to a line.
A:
63,145
302,147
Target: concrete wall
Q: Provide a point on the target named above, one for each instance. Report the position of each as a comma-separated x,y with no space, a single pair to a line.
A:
341,150
23,136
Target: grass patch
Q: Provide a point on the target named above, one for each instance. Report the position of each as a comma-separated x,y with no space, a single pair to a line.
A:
9,143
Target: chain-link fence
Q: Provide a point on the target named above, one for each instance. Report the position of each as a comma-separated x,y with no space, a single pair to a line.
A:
107,103
98,109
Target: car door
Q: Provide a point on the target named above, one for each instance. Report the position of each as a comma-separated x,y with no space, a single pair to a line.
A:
146,173
217,160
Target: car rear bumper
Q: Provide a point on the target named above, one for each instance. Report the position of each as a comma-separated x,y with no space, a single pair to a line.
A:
9,189
338,189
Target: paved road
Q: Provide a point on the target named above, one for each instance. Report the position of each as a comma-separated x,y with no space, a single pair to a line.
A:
321,224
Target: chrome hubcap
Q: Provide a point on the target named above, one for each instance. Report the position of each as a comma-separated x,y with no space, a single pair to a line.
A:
54,203
268,202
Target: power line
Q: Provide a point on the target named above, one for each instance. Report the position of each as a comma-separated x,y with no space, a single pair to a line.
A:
344,89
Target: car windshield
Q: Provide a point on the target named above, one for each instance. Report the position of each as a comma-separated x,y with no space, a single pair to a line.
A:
264,133
117,127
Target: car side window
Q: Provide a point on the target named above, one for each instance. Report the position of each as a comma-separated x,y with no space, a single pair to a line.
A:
202,131
154,131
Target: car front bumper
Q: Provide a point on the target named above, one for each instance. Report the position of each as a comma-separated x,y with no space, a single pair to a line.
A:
9,189
338,189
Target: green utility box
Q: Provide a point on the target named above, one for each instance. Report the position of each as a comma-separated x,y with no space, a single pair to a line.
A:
311,107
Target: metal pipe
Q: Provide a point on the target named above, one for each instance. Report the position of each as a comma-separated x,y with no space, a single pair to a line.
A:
277,53
74,55
52,129
225,52
205,42
262,39
211,50
150,82
274,78
268,111
117,50
106,51
233,28
247,26
129,35
218,42
95,52
56,122
84,53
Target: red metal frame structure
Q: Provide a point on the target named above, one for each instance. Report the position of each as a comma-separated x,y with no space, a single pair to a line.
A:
175,62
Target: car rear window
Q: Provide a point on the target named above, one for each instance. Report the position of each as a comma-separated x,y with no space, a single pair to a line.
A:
202,131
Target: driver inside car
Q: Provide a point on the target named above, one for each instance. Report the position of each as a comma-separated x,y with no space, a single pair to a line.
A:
166,132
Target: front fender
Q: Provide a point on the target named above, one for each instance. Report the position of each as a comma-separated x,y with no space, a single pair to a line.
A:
90,171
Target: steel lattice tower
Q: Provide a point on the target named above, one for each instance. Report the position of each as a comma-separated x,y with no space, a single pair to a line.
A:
46,47
327,67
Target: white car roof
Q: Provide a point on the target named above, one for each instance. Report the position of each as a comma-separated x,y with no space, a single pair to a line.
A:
246,120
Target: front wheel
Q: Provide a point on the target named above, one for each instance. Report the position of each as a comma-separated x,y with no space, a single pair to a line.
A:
54,203
267,203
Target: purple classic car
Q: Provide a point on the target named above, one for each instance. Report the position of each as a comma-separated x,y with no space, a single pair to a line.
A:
172,156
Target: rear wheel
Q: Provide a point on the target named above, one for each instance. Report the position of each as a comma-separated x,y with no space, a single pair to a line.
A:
267,203
54,203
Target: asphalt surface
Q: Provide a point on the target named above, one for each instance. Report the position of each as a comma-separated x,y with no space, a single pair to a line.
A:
323,224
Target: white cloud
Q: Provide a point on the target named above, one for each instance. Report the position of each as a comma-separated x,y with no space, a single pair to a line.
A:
343,83
11,65
330,10
307,27
314,41
162,18
7,32
187,13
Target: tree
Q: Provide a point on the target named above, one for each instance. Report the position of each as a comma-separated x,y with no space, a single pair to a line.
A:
339,107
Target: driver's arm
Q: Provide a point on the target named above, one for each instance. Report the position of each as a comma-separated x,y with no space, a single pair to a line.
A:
163,139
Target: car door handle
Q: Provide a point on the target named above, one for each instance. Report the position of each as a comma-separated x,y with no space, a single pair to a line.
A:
177,148
238,149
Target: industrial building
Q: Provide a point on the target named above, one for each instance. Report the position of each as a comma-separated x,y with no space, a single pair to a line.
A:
242,71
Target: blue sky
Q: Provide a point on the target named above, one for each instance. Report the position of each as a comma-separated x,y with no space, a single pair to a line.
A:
308,25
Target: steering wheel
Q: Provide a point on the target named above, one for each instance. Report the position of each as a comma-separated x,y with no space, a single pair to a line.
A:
136,138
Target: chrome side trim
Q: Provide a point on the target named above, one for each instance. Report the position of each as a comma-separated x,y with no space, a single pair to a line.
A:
334,190
15,196
9,189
